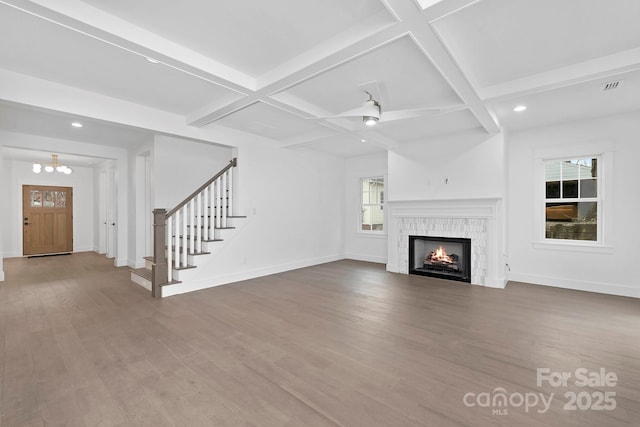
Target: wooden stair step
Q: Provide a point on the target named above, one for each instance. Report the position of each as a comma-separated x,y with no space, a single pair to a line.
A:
145,273
183,267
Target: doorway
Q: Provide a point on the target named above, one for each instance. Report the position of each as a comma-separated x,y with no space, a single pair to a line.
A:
47,226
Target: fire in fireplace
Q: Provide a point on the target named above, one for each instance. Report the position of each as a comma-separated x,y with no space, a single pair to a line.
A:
443,257
439,260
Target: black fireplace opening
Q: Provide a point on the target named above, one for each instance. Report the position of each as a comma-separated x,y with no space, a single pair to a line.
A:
442,257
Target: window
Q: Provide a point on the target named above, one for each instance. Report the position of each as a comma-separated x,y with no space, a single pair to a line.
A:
572,199
372,204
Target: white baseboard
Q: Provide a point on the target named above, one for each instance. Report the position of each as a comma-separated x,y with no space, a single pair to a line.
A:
367,258
495,282
226,279
578,285
392,268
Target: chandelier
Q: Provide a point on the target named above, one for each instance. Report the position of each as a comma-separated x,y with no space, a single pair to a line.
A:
53,166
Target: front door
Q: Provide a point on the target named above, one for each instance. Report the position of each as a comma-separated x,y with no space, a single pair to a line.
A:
47,219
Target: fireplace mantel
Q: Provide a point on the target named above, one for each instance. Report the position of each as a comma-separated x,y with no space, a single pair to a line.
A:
445,208
480,219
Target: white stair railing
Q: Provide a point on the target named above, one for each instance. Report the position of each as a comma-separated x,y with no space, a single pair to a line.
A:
193,221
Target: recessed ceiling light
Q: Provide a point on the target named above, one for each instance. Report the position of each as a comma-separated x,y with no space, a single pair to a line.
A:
363,140
76,124
153,61
520,108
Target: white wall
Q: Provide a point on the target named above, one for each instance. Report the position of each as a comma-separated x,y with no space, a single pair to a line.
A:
361,245
610,271
453,167
294,202
18,173
180,166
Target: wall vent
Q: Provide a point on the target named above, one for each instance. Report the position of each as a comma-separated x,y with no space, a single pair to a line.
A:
611,85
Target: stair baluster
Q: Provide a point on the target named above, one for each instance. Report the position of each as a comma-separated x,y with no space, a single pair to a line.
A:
223,202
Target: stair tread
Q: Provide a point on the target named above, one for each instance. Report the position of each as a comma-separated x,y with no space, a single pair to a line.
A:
173,282
183,267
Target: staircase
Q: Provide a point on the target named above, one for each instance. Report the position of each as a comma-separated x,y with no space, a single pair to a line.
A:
189,233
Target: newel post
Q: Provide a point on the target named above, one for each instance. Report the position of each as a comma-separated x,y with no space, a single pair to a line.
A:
159,270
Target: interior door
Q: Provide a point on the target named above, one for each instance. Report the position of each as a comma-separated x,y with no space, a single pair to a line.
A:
48,219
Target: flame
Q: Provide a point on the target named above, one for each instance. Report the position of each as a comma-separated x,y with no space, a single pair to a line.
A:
440,255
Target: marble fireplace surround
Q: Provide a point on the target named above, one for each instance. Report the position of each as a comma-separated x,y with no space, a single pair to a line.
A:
480,220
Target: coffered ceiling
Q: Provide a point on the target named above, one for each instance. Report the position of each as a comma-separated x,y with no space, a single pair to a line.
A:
272,68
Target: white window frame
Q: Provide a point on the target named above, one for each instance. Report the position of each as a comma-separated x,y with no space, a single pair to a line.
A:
604,152
361,204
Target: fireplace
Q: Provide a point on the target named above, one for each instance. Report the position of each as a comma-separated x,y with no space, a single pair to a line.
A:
442,257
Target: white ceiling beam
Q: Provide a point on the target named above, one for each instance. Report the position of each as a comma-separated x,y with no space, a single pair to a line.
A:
431,46
599,68
440,9
213,112
27,90
411,20
426,38
307,66
301,69
93,22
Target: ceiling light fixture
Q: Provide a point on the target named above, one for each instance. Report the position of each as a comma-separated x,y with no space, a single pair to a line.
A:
76,124
370,120
54,165
153,61
520,108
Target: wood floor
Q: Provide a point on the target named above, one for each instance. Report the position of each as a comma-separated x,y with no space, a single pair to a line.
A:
344,343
